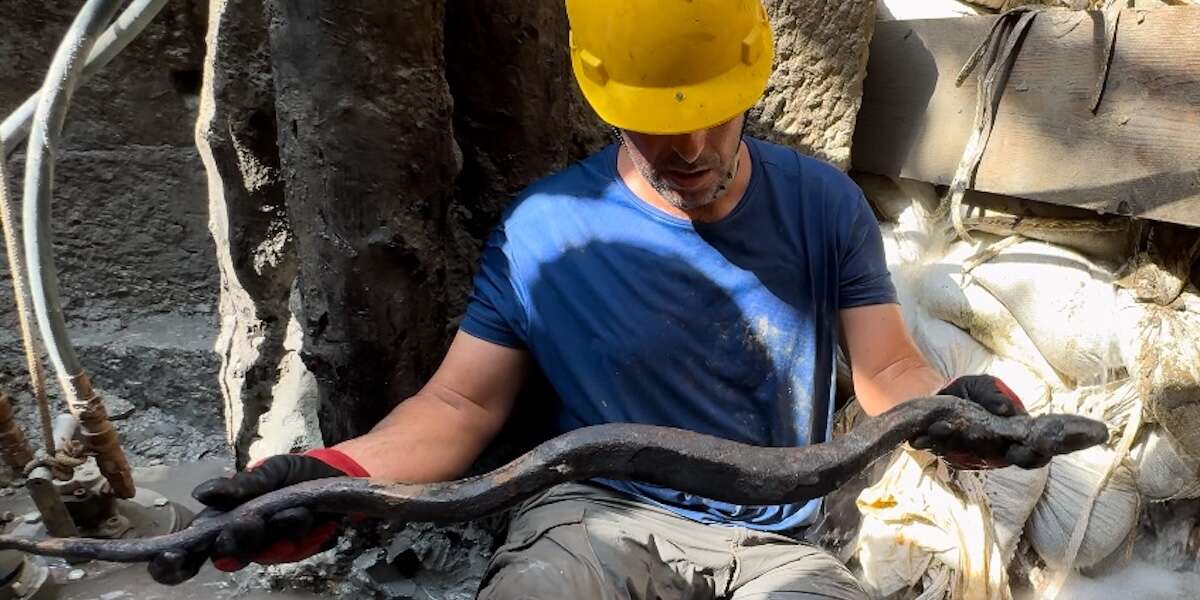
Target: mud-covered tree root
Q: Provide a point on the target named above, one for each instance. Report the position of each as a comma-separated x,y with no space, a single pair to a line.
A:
682,460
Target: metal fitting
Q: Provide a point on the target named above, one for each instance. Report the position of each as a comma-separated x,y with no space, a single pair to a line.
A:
99,437
14,448
49,502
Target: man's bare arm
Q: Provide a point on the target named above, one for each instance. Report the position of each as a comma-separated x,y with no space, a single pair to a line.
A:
437,433
887,366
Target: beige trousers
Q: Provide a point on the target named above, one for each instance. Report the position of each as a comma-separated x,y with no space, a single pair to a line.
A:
579,541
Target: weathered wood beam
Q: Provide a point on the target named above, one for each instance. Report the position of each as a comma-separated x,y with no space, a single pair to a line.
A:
1138,155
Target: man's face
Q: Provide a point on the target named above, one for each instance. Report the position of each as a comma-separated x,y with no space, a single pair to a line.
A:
689,170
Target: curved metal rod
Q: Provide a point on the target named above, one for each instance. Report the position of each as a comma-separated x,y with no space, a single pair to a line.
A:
681,460
61,81
16,269
123,31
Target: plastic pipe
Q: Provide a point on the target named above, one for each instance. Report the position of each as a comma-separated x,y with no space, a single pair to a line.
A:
63,78
65,428
127,27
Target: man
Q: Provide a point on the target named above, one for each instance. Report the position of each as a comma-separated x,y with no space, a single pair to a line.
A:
686,276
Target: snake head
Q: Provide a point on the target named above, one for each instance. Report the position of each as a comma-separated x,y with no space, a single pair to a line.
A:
1063,434
976,440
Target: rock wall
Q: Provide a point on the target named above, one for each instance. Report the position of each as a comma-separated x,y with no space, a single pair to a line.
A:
252,235
813,97
368,162
134,256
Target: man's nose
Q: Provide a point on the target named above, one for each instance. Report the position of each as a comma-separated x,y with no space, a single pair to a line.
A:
689,146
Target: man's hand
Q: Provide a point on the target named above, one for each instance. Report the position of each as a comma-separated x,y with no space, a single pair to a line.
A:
986,391
992,394
286,536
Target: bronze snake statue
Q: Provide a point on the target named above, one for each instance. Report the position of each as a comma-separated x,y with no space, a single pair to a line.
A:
682,460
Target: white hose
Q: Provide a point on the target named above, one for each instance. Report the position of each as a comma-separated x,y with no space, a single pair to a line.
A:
123,31
61,81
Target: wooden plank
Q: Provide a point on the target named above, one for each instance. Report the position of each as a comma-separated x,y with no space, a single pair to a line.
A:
1138,155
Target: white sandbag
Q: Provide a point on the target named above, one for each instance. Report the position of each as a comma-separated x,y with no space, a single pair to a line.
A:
948,295
906,243
1163,472
1063,303
1033,391
883,194
892,197
890,564
1113,403
1073,478
916,517
1012,494
949,349
1165,346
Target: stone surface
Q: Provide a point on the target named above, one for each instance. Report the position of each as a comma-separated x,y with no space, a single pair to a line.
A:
145,97
813,97
255,250
518,113
132,247
161,389
130,234
368,160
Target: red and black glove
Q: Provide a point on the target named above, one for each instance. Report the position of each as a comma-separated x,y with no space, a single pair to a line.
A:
286,536
992,394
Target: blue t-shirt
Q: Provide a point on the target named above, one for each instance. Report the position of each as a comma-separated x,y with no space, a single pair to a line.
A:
727,328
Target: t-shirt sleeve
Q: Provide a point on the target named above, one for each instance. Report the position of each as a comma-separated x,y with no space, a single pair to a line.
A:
495,311
865,279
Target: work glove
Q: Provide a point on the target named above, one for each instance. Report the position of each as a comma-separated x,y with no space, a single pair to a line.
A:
958,449
286,536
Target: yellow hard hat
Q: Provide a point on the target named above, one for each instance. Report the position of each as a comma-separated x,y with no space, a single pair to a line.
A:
670,66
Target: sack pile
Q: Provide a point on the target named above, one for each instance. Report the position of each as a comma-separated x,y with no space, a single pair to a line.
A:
1058,309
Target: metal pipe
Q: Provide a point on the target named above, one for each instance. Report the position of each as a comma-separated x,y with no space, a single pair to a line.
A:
61,81
123,31
16,268
50,505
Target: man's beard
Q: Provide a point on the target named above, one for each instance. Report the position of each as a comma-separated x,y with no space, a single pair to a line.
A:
673,197
676,199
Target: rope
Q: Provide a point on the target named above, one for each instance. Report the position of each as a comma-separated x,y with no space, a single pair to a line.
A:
62,465
16,266
985,255
997,53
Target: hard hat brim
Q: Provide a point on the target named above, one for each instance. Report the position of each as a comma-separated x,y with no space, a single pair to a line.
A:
680,109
